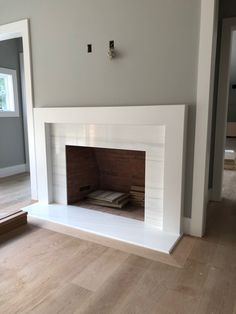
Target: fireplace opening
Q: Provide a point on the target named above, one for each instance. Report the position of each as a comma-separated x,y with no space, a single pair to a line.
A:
108,180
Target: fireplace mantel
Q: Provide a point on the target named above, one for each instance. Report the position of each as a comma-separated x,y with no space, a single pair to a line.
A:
158,130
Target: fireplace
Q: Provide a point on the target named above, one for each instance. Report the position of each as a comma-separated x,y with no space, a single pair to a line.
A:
156,132
90,169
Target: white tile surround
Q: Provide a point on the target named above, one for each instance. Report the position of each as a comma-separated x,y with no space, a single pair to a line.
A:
157,130
150,139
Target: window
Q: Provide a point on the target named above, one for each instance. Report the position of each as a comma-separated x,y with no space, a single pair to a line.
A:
8,93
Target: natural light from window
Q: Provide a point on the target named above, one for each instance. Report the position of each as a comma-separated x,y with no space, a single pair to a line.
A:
8,93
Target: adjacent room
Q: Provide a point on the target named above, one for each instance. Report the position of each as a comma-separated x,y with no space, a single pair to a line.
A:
117,156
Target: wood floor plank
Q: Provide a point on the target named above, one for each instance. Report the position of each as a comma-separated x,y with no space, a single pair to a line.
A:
191,279
203,251
68,299
97,272
176,302
111,296
49,270
219,292
183,250
225,257
146,294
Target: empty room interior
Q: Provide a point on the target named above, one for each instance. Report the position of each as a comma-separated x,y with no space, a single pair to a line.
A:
118,156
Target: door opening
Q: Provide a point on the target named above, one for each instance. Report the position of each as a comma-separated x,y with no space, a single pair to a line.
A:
16,103
225,110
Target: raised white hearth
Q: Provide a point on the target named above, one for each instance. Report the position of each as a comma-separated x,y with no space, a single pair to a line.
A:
157,130
131,231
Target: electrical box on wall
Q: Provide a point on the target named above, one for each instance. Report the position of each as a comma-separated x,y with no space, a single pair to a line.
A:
111,49
89,48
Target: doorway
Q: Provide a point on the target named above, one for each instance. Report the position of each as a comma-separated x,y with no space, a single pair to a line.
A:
17,102
229,171
13,118
225,136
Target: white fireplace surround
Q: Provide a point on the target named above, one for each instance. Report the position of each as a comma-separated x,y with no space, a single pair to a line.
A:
160,131
150,139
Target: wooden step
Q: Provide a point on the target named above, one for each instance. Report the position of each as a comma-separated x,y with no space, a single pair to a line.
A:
10,220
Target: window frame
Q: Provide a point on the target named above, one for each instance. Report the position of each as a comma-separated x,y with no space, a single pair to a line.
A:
15,112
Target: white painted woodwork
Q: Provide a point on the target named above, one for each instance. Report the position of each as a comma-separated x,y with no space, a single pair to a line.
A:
158,130
205,87
124,229
150,139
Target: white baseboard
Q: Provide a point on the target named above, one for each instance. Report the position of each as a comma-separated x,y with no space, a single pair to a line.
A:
186,225
189,228
9,171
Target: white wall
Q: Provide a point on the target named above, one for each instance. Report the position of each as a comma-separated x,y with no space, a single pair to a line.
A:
157,42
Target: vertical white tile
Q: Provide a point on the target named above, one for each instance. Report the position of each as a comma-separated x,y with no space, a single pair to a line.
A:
148,138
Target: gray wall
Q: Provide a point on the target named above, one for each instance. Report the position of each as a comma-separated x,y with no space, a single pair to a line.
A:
232,92
11,129
157,43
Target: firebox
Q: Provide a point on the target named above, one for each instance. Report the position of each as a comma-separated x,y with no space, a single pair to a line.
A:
115,174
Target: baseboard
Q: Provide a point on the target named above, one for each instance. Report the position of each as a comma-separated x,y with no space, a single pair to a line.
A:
186,225
9,171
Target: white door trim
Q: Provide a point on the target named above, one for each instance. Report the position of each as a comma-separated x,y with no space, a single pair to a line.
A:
24,109
229,25
11,31
205,79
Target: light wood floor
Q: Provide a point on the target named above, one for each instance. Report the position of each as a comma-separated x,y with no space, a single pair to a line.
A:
42,271
15,192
